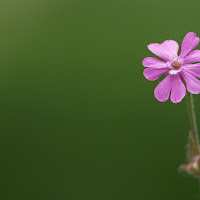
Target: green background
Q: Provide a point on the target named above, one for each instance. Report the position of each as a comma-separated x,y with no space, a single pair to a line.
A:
78,120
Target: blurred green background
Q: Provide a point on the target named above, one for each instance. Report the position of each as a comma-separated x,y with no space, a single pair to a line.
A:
78,119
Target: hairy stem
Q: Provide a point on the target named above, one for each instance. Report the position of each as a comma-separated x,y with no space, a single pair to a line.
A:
193,122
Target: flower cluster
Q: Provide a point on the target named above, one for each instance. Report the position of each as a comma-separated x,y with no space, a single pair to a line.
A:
179,69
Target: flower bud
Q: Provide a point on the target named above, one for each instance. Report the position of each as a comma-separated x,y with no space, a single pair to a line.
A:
192,168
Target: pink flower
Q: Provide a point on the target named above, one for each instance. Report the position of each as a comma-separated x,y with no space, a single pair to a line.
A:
177,68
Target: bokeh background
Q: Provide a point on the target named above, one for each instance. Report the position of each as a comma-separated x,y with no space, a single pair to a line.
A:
78,121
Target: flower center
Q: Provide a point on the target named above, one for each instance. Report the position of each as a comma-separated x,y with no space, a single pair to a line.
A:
176,65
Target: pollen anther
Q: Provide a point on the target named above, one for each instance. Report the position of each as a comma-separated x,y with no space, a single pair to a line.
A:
176,65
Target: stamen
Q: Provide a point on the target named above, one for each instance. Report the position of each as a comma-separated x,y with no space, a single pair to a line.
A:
176,65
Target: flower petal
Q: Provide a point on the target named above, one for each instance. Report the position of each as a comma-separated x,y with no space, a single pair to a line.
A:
171,47
168,50
193,69
163,89
193,57
178,90
190,41
153,74
153,62
192,83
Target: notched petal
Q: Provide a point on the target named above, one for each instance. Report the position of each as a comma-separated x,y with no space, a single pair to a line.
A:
153,74
178,90
193,57
154,62
162,91
190,41
168,50
192,83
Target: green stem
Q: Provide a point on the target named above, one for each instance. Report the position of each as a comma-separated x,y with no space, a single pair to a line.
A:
193,121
